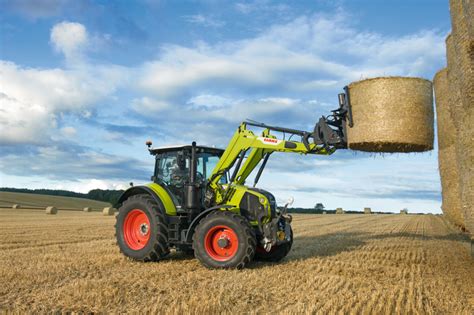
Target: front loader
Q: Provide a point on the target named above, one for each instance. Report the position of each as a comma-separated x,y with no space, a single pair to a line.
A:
198,201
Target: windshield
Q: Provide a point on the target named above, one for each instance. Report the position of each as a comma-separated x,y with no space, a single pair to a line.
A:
172,171
206,164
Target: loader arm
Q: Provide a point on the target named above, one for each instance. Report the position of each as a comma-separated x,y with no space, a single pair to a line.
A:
256,147
329,134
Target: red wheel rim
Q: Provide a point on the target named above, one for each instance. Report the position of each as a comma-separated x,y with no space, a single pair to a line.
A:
221,243
136,229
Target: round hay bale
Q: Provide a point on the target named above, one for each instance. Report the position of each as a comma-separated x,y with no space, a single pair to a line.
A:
404,211
367,210
462,13
51,210
448,164
462,16
339,211
453,78
324,212
16,206
109,211
391,114
462,112
465,158
87,209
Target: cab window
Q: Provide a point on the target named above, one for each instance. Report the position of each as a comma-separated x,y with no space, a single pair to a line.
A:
206,164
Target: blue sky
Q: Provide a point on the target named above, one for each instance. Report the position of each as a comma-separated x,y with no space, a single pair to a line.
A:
83,84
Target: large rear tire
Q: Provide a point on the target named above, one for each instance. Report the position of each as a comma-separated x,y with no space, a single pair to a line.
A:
224,239
276,253
141,229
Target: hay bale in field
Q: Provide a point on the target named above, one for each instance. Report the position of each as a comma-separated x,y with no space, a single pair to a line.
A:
404,211
453,78
324,212
87,209
367,211
462,42
462,113
16,206
462,16
391,114
448,164
109,211
51,210
339,211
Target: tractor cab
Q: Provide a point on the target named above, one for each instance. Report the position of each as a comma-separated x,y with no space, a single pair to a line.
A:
174,171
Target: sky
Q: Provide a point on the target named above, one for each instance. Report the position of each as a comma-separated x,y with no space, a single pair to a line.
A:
83,85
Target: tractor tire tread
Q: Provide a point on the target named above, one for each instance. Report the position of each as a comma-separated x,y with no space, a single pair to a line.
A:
160,248
249,236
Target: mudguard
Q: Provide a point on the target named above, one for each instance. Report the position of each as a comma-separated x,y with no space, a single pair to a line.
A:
192,226
158,193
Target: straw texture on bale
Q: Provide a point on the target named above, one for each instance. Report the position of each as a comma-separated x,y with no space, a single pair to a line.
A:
16,206
391,114
87,209
109,211
462,113
367,210
51,210
339,211
461,68
462,16
448,166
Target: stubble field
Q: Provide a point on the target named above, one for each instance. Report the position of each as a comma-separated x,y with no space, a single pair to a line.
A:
364,264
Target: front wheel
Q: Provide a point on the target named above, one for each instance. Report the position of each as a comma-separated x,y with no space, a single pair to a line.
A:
224,239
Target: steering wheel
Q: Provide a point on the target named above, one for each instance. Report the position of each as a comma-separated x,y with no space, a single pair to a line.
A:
199,177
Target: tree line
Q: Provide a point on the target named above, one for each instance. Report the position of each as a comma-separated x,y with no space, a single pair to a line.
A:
110,196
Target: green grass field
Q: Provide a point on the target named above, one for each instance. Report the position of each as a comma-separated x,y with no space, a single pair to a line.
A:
7,199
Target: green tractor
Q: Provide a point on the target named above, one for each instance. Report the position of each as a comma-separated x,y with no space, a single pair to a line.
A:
198,202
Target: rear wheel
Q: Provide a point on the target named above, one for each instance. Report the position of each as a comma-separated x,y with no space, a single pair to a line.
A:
276,253
224,239
141,229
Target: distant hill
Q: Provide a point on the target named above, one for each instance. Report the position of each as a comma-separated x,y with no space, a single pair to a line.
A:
109,196
315,211
7,199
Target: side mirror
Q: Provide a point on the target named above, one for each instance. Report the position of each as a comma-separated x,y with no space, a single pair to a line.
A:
290,201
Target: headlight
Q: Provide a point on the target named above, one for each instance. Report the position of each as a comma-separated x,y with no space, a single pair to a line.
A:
262,200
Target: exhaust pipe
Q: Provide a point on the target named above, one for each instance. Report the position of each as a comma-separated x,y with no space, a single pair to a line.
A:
192,188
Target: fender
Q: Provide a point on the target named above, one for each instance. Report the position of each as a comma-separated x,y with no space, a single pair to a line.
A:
192,226
158,193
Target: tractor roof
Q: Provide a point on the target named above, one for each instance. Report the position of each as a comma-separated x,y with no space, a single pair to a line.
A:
181,147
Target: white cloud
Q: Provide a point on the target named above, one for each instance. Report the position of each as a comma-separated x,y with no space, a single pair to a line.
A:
262,6
309,53
203,20
32,98
70,39
208,101
146,105
69,131
84,186
21,122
